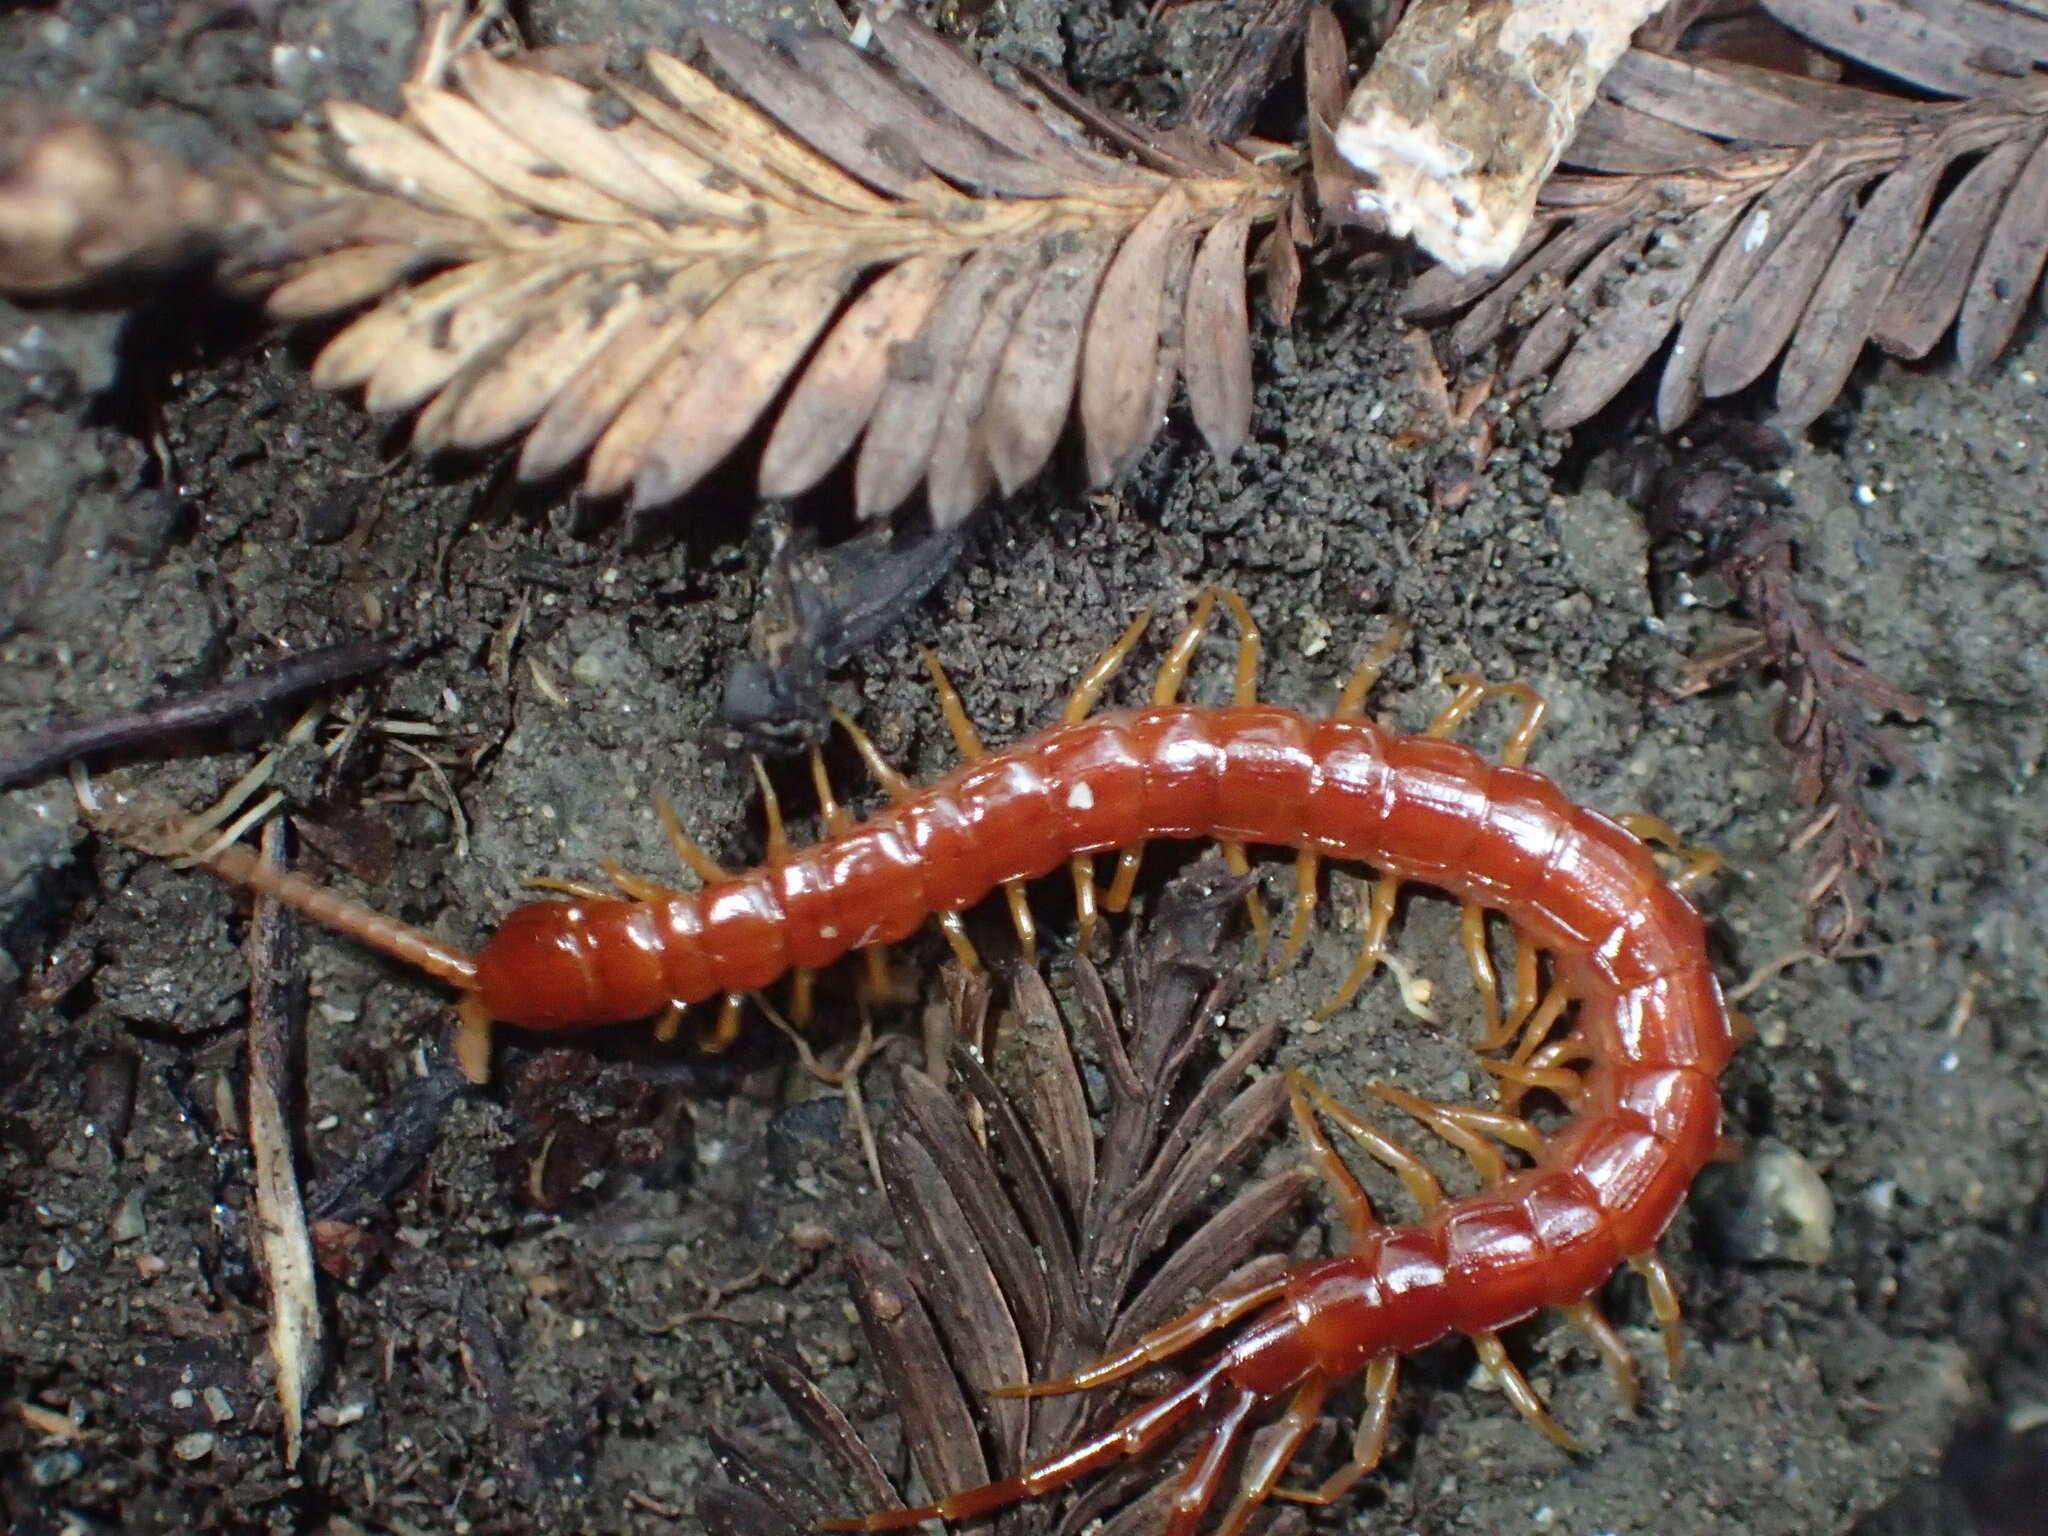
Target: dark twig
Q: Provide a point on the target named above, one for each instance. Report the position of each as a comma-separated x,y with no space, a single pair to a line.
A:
394,1148
208,709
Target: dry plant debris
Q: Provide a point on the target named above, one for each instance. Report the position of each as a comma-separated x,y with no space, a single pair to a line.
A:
1830,721
1027,1231
630,271
1772,212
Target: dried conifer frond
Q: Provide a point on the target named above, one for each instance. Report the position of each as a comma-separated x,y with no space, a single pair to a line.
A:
634,272
1026,1230
1753,214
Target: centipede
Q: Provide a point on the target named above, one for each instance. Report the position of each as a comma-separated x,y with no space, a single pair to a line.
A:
1630,1034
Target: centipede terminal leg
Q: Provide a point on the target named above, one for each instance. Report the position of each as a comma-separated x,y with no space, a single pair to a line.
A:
1168,1339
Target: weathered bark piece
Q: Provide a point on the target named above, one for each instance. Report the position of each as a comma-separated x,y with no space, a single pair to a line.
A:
1465,112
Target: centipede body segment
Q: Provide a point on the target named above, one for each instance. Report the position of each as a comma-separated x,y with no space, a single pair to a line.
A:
1636,1066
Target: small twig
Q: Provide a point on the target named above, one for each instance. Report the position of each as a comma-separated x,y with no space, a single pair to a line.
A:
206,710
483,1358
286,1246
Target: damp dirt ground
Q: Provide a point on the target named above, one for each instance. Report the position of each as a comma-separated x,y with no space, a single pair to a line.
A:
535,1329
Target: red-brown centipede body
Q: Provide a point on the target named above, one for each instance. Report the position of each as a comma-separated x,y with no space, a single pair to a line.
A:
1651,1033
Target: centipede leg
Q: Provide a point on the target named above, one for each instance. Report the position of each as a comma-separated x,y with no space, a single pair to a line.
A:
688,854
1088,691
1663,1303
1695,864
472,1044
1173,674
1352,1201
1386,893
1307,866
1245,691
725,1029
1368,1443
1086,695
634,887
1528,989
1262,1470
582,890
1486,1161
1473,690
1479,961
1494,1356
1414,1174
972,748
1621,1368
1161,1343
1366,676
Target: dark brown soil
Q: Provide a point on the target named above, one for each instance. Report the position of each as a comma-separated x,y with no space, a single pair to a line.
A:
517,1351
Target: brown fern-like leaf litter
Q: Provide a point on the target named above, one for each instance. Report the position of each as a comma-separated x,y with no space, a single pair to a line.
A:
1753,214
635,272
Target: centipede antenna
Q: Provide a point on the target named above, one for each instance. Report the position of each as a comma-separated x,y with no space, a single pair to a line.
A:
1162,1343
239,865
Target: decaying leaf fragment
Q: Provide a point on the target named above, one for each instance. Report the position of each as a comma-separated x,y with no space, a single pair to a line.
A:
1754,214
1026,1232
631,272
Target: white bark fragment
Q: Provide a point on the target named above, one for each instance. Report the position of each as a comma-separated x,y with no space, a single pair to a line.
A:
1465,111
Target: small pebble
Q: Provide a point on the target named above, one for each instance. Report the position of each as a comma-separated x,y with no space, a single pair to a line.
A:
218,1408
1770,1208
194,1447
128,1224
